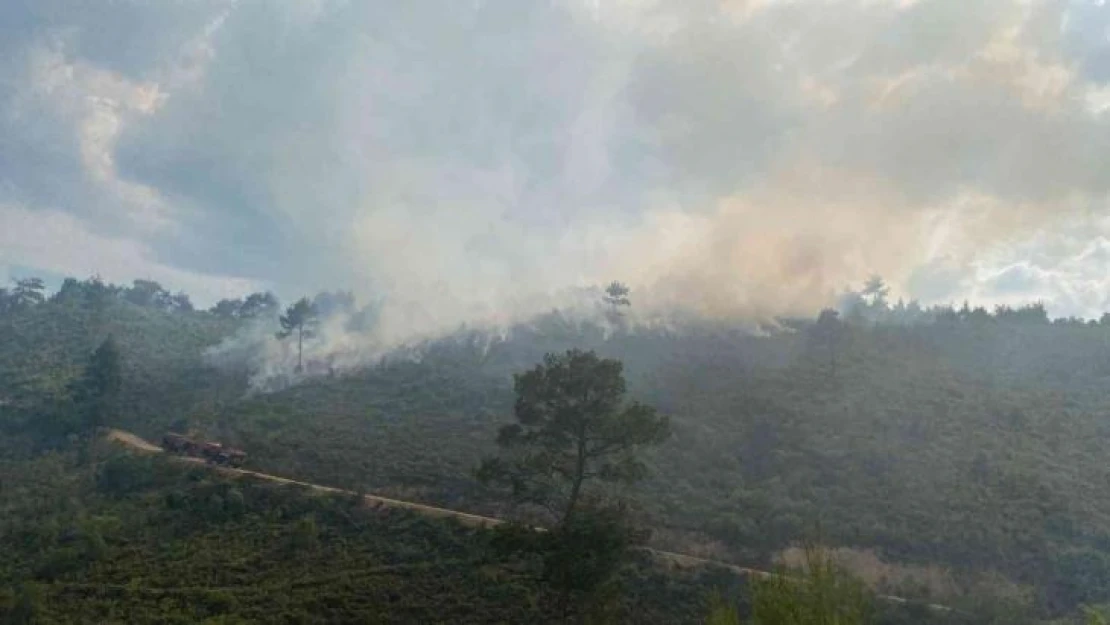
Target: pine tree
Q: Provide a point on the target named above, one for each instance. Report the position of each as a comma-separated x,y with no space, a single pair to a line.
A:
300,319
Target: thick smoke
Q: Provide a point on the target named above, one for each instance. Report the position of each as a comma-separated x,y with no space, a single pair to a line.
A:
350,337
336,345
739,161
470,164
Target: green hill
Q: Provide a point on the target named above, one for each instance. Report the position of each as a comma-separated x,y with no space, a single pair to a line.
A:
963,441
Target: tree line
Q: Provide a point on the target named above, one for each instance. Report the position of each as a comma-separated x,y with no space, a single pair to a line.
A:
27,293
869,304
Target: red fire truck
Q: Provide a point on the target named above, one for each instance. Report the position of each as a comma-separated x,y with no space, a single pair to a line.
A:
209,450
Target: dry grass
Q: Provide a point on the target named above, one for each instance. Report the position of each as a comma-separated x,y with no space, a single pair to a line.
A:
928,581
922,582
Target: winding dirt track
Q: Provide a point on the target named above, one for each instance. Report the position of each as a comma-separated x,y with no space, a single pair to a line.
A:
129,439
678,560
474,520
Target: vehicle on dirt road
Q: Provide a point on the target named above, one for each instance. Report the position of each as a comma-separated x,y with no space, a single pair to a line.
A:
211,451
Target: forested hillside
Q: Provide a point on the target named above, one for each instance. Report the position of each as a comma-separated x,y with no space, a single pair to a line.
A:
140,540
960,447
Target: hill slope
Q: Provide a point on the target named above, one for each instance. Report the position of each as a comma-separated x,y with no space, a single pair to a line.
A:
971,441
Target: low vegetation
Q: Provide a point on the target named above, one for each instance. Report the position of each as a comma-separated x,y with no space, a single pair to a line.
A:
127,539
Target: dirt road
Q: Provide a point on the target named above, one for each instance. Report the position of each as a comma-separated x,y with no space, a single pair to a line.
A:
474,520
678,560
129,439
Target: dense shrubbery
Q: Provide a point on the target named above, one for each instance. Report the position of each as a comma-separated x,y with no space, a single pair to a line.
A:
140,540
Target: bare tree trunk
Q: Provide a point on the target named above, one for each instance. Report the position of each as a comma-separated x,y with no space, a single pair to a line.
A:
576,488
300,348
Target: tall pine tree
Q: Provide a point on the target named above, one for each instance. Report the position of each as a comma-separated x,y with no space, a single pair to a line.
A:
299,319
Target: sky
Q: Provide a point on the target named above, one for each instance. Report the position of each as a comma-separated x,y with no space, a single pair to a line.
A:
478,159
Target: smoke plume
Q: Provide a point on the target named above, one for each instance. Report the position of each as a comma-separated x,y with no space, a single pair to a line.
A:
478,163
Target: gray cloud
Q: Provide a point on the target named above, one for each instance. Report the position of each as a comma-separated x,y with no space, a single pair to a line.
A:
471,160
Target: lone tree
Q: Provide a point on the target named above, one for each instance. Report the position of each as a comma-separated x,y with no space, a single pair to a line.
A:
28,292
616,296
300,319
573,426
875,292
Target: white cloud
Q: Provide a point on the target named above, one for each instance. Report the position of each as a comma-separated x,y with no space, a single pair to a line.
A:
1067,268
60,243
96,103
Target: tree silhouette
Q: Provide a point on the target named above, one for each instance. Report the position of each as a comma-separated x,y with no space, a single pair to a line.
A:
875,292
572,427
300,318
616,296
28,292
